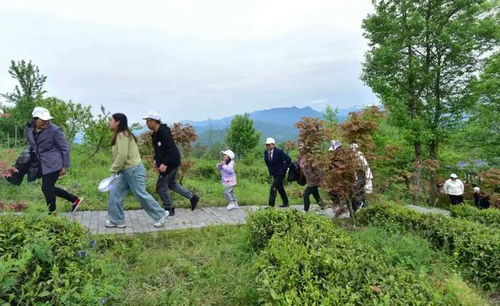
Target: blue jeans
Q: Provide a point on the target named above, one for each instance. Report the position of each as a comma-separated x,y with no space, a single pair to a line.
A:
229,194
133,179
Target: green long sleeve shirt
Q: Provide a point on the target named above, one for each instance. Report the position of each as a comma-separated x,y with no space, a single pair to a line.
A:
125,154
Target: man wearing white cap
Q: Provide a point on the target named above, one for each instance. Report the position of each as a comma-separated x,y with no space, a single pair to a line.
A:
51,149
454,188
167,159
277,163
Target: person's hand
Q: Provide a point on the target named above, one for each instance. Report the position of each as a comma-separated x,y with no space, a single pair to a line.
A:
162,168
63,171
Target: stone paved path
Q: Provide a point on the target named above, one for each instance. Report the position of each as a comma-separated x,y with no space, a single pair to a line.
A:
138,221
426,210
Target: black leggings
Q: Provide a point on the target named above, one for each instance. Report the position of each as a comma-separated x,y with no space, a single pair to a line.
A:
50,191
456,199
307,193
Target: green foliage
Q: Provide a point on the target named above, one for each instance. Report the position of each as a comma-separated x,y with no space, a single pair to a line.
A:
306,260
208,266
48,260
242,136
488,217
69,116
474,247
482,131
97,134
28,93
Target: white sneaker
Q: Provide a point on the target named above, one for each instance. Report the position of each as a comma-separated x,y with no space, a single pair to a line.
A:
161,222
232,205
108,223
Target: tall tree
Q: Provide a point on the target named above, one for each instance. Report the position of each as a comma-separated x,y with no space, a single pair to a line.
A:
184,135
242,136
483,127
422,56
28,92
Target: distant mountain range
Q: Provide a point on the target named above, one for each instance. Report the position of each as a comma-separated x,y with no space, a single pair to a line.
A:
277,123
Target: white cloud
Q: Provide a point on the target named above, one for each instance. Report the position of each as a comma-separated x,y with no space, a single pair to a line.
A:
190,59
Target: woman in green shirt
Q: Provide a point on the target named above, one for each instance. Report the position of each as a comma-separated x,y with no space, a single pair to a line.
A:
127,162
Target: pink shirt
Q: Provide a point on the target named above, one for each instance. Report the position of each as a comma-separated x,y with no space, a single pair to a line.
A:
227,173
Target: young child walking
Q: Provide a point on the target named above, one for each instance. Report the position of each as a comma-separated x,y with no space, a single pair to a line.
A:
226,168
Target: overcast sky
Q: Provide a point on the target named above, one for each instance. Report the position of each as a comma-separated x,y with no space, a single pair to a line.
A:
190,59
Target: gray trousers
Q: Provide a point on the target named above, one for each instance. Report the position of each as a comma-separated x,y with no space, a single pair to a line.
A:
229,194
167,181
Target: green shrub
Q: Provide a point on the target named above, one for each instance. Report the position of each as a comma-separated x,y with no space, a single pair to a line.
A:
268,222
474,247
306,260
49,260
489,217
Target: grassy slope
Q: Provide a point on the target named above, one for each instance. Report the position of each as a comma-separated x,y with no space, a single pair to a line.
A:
214,266
209,266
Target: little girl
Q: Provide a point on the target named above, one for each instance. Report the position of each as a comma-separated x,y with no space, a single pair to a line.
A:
226,168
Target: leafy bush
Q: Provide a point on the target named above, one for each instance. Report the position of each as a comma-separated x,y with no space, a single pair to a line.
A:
474,247
306,260
48,260
488,217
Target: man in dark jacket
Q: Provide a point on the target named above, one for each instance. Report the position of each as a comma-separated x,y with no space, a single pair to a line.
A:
167,159
277,163
52,153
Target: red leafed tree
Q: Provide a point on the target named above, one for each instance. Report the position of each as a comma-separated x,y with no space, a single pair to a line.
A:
184,135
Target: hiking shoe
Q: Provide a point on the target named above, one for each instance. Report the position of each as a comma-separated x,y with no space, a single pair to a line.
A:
194,201
76,204
110,224
161,222
171,211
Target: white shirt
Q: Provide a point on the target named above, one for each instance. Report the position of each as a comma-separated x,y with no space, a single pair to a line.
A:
270,154
453,187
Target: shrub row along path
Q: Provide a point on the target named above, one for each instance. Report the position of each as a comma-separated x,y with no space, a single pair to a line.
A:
138,221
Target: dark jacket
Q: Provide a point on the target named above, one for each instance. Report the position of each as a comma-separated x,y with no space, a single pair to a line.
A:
279,164
26,164
312,173
166,151
51,148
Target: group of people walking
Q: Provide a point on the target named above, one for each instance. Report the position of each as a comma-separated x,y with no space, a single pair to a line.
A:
49,155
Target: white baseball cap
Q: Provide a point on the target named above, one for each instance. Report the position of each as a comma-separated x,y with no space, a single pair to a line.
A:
153,115
228,153
270,140
477,189
42,113
334,145
453,175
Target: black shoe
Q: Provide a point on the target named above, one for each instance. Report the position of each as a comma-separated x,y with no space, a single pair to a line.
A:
284,205
194,201
171,211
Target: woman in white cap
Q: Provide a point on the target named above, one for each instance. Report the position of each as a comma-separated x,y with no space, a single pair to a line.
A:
454,188
51,149
226,168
